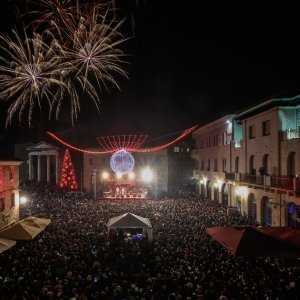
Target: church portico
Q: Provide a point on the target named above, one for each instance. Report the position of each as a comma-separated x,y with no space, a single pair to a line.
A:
44,163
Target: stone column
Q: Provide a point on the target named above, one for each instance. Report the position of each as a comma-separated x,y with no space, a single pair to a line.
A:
30,173
39,168
48,168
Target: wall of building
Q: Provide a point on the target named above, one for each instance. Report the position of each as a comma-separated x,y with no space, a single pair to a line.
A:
276,136
9,194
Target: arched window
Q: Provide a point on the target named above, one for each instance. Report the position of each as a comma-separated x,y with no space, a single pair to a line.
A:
291,164
252,170
265,163
202,165
239,204
252,206
266,212
237,162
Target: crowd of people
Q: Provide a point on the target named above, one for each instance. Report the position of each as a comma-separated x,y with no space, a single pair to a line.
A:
73,258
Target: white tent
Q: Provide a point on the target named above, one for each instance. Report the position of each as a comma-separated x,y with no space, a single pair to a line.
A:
130,220
26,229
6,244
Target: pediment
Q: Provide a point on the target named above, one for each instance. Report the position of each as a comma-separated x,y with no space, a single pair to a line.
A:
42,146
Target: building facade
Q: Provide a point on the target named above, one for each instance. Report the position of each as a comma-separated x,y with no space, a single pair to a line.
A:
9,190
256,170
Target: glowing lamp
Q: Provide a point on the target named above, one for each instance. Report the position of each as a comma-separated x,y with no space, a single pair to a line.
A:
23,200
147,175
131,175
241,191
119,175
105,175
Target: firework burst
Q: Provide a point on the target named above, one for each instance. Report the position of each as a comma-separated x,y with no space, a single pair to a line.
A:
29,73
77,54
93,56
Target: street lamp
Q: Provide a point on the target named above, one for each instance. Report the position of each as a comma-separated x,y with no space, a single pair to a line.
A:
23,200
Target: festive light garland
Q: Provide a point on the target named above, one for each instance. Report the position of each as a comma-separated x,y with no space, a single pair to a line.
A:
152,149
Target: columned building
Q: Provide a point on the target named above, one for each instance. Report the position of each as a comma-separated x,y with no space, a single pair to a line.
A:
261,177
44,162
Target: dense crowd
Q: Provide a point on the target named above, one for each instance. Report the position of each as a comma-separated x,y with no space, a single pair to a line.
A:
73,258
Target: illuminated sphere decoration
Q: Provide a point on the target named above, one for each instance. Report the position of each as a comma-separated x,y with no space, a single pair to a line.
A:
122,162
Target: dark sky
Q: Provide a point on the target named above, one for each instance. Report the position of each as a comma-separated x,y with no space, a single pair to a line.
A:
188,64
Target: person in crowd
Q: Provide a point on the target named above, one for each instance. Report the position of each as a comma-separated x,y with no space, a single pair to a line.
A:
74,258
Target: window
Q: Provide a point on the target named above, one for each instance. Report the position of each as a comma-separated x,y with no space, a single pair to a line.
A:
216,165
90,161
252,171
237,162
12,173
266,128
224,165
202,165
12,200
208,165
252,132
176,149
291,164
2,204
224,136
265,164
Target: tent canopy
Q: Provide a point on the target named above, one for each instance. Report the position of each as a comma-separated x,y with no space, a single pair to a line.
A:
6,244
250,241
129,220
288,234
26,229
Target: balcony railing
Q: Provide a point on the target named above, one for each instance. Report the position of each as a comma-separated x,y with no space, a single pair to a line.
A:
292,134
282,183
254,179
230,176
237,144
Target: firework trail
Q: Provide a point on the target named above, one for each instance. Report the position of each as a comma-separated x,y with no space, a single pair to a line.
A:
77,53
29,73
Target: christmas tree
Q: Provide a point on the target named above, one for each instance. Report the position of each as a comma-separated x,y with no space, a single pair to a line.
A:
67,177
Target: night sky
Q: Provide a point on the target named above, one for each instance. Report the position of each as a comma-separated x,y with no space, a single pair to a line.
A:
188,64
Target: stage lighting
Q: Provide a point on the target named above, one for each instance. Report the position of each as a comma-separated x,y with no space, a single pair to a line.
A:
131,175
119,175
147,175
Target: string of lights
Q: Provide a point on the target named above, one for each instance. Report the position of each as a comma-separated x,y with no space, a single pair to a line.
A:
113,146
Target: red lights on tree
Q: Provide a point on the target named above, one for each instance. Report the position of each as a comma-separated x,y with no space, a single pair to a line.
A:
67,177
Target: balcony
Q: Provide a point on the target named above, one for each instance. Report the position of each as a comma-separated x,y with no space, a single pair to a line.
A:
283,183
253,179
291,134
237,144
230,176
